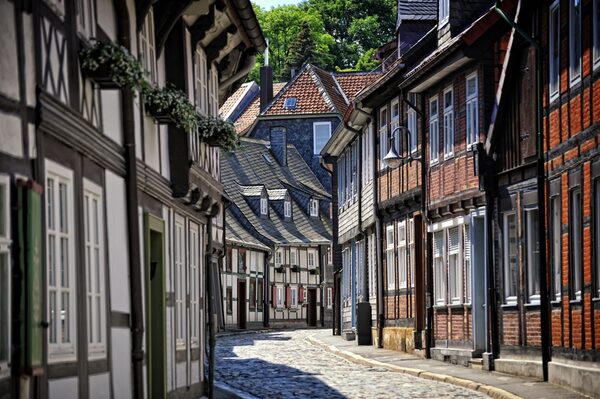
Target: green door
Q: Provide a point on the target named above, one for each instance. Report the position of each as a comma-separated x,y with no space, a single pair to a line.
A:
155,306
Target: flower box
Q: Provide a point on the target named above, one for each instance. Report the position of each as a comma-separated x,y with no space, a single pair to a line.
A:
162,116
111,66
101,76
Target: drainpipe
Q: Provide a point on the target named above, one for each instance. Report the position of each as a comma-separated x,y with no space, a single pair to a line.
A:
379,249
133,240
210,307
541,193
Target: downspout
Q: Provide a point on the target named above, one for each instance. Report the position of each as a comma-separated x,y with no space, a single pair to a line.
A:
379,249
133,238
541,193
210,307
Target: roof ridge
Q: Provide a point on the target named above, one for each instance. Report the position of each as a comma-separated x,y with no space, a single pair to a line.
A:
321,86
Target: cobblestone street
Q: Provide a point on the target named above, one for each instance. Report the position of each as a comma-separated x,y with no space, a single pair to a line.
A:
285,365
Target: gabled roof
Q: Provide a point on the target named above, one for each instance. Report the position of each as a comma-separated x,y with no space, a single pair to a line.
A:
234,101
249,166
251,191
277,194
247,117
353,82
417,10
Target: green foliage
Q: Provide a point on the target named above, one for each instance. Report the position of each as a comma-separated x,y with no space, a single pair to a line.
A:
122,67
216,131
367,61
173,103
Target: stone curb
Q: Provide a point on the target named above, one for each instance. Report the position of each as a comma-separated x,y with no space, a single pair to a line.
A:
489,390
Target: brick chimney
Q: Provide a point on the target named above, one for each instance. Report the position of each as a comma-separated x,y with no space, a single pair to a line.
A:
279,144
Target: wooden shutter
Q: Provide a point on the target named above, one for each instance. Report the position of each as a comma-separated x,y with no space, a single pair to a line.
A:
453,240
288,297
274,296
301,294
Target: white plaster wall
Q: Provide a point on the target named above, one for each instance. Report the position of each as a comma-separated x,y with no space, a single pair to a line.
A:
11,141
164,152
195,372
118,253
121,362
107,17
9,70
29,50
151,147
64,388
100,386
112,122
139,150
181,374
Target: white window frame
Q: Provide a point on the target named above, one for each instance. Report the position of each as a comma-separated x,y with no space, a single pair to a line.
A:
201,77
95,279
596,34
372,266
439,269
367,153
293,256
213,91
179,263
278,258
444,15
383,136
61,351
329,297
472,106
287,209
410,231
434,131
532,257
575,236
86,18
314,207
294,297
448,124
395,122
147,49
575,61
509,299
194,281
411,123
455,273
554,41
280,297
556,246
311,256
5,248
316,125
402,258
467,262
264,205
390,257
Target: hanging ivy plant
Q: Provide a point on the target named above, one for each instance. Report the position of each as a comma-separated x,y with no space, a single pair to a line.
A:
170,105
217,132
111,65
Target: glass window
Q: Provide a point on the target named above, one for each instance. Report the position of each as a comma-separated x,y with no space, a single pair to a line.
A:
329,297
448,123
252,294
263,205
86,18
467,261
434,133
454,266
532,246
294,295
575,40
411,251
278,258
372,267
180,281
5,275
439,268
147,48
575,244
444,11
411,116
395,122
321,135
229,300
280,298
383,136
287,209
60,253
511,252
311,259
259,294
194,281
556,247
402,270
94,268
314,207
554,50
472,111
390,263
201,77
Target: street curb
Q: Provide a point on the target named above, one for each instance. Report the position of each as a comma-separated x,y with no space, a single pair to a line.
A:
489,390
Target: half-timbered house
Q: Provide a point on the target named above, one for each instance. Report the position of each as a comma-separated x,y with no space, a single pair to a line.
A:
110,215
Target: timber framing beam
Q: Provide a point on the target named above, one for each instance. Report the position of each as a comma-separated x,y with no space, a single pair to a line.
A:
166,14
213,49
206,22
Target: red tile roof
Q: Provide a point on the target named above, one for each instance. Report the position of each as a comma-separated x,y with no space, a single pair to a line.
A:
247,118
353,82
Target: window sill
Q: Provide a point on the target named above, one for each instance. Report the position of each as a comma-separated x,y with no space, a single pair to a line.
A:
556,303
448,157
576,302
510,306
456,306
533,305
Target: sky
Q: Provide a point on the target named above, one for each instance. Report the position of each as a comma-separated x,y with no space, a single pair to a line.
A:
272,3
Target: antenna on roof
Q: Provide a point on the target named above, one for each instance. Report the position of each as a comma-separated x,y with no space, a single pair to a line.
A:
267,54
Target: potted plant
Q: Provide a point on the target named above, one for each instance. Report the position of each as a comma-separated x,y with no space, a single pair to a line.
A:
315,271
217,132
111,66
170,105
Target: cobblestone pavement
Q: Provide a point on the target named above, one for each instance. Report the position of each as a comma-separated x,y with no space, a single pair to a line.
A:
285,365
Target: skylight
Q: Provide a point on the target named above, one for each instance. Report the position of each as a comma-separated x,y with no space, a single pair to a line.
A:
290,103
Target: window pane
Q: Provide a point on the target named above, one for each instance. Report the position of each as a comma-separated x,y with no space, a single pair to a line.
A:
63,210
53,322
511,253
64,262
65,318
556,247
533,251
4,306
575,246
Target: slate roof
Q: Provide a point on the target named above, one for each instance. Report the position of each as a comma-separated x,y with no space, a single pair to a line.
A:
252,165
277,194
248,116
251,191
417,10
236,234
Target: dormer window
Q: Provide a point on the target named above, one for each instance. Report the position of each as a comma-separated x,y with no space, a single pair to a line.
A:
287,209
314,207
444,11
264,203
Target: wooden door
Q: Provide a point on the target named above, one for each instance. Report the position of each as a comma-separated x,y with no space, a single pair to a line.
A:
312,307
241,304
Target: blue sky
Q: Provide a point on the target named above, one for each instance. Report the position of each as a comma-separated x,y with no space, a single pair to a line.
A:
271,3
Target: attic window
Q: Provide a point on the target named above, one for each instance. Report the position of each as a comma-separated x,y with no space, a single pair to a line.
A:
290,103
263,205
314,207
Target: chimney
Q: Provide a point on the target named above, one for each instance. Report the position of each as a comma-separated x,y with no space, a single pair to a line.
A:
266,86
279,144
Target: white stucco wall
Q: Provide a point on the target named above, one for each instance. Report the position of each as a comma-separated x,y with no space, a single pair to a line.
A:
100,386
63,388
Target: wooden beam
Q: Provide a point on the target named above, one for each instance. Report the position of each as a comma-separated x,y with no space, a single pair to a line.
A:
166,14
218,43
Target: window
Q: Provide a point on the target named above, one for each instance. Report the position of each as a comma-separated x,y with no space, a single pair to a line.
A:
359,270
454,266
278,258
411,116
294,297
383,136
5,275
341,172
321,135
467,261
354,188
213,91
329,297
86,18
229,300
390,264
252,294
311,260
575,248
556,247
444,11
348,163
147,48
60,252
264,202
439,269
201,86
395,122
94,268
411,250
596,227
367,154
280,297
448,123
259,294
293,257
574,41
241,260
290,103
472,111
434,132
596,28
287,209
329,256
314,207
402,272
180,280
532,246
511,252
372,267
554,50
194,280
